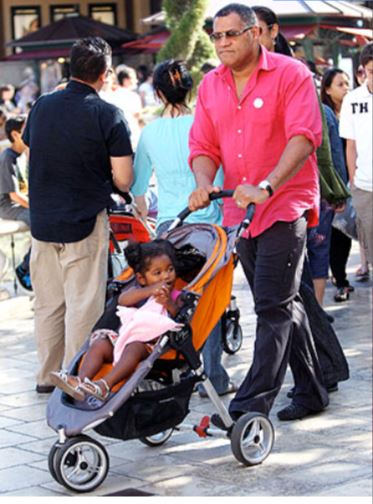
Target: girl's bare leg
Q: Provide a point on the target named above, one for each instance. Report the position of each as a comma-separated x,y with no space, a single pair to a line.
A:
132,355
98,354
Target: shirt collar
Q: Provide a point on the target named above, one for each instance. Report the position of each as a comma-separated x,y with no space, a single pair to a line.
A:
13,153
266,62
80,87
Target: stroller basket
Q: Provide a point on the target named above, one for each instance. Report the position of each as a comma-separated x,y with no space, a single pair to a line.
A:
148,413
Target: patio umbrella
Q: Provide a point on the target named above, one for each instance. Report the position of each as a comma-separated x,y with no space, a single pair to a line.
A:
58,37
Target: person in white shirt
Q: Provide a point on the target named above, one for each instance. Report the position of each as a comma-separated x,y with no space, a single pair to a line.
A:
119,90
146,92
128,100
356,126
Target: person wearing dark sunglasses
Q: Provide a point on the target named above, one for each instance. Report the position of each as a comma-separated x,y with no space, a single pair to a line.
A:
257,114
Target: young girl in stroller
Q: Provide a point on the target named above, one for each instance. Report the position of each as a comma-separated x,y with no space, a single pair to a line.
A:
144,312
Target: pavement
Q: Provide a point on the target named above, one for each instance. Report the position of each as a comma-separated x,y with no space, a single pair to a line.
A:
328,455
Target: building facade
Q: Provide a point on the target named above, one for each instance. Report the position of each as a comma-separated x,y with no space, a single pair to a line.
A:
20,17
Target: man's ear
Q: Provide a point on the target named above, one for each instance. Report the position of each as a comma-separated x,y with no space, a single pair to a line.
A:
102,77
14,135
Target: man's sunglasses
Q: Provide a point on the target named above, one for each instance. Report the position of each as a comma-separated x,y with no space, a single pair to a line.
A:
229,33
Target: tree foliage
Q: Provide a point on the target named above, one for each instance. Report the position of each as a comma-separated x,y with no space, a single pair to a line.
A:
188,41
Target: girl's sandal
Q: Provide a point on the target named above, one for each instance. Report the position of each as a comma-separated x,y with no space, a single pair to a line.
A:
61,380
94,389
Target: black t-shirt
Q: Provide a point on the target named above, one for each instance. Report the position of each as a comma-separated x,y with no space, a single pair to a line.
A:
72,134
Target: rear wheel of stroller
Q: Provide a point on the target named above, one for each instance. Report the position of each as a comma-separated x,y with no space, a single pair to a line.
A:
232,338
157,439
81,464
252,438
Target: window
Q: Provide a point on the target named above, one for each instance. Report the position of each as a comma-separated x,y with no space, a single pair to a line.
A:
58,12
155,6
25,20
104,12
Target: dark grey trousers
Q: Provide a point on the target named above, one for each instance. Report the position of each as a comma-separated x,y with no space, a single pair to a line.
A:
273,263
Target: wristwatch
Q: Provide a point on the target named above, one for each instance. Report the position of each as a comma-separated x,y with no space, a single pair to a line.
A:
266,186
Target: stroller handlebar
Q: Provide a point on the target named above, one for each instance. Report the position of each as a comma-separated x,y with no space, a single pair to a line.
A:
213,196
250,211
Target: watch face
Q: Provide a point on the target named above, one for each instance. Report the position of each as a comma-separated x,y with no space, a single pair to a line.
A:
266,186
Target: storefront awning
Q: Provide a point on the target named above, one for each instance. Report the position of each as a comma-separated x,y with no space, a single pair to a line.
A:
151,43
358,32
296,32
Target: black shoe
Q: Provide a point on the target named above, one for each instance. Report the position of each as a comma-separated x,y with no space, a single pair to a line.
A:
217,421
44,389
332,388
342,294
295,412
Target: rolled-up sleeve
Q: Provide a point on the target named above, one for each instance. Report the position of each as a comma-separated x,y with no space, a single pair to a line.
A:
202,138
301,108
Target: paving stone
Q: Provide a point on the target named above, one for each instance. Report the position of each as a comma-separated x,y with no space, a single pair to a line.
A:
8,438
10,457
21,478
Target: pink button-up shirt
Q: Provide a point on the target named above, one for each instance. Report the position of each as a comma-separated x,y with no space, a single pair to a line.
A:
248,136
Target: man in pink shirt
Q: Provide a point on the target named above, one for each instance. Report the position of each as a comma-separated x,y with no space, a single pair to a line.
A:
257,115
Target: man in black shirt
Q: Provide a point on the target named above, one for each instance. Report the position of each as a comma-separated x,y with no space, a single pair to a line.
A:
79,148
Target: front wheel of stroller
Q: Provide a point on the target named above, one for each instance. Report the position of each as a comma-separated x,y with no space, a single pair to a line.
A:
52,459
232,337
157,439
252,438
81,464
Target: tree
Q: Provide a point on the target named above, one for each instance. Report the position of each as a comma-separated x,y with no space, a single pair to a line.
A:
188,41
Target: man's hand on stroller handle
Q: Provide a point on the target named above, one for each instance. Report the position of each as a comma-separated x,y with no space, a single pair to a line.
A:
200,197
245,194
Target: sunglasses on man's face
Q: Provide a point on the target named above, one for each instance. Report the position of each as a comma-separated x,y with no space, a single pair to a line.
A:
229,34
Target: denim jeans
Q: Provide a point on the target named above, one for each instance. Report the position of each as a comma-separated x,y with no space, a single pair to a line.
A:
212,354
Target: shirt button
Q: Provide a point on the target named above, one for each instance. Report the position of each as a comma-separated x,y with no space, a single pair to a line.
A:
240,156
239,131
239,107
244,179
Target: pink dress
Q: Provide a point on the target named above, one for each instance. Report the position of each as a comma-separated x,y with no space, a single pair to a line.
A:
143,324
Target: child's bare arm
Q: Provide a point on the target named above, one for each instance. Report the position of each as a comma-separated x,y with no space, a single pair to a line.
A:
134,296
164,298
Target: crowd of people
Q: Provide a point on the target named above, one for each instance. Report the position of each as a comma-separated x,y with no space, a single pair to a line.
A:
259,127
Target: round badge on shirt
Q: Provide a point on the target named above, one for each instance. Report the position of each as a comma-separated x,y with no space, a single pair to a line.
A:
258,103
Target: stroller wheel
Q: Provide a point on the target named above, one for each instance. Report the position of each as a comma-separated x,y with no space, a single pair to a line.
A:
252,438
157,439
232,337
52,458
81,464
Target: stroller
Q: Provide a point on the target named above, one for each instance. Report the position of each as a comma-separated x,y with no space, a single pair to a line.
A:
127,224
155,399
